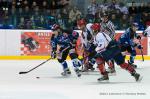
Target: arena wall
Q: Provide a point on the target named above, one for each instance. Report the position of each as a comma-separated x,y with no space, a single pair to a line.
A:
11,46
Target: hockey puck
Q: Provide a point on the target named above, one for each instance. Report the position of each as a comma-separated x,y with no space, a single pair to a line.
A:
38,77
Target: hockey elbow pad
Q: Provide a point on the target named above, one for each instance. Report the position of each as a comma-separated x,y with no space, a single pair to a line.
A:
53,54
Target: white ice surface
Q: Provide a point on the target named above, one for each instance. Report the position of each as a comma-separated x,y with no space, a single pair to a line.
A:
52,85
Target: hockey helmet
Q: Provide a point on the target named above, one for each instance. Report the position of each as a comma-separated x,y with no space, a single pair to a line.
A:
81,22
55,27
135,24
96,27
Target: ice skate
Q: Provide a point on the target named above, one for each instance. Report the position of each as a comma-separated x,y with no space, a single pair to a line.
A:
66,72
137,77
91,67
88,67
85,69
103,78
111,71
133,65
77,72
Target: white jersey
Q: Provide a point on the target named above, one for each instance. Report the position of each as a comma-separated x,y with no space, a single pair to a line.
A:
101,41
108,28
87,36
147,31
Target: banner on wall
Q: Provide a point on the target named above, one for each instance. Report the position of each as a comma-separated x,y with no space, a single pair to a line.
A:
144,43
35,43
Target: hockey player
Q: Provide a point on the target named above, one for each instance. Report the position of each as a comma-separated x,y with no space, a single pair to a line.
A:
147,30
87,44
67,46
109,49
108,27
57,31
127,42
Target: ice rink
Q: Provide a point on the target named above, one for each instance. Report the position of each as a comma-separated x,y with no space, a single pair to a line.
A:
51,85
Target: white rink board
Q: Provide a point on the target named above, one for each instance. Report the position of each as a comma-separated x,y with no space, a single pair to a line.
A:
10,41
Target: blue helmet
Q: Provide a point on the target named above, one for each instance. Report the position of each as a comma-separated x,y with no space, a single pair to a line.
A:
135,24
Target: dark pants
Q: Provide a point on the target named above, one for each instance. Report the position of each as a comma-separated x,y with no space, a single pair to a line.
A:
64,53
131,50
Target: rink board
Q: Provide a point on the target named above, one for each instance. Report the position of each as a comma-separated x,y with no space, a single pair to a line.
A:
12,47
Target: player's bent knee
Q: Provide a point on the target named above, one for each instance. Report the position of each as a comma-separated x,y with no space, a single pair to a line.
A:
100,60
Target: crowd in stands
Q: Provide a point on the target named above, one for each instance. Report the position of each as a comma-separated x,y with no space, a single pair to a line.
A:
42,14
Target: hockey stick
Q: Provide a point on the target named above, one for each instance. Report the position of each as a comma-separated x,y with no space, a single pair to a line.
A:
141,52
34,67
39,64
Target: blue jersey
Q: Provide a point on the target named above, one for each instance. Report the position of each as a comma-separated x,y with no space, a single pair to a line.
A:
64,41
127,38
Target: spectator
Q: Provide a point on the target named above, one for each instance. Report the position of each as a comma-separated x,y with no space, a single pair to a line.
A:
145,17
26,13
58,4
123,8
1,16
19,4
42,14
25,3
51,19
65,16
113,5
28,24
131,19
142,8
93,8
13,16
60,21
124,23
13,3
148,7
92,11
78,17
19,14
6,18
73,15
21,23
44,5
115,21
34,4
133,9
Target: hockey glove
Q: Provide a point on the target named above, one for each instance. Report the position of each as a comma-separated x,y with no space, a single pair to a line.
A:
140,47
53,54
